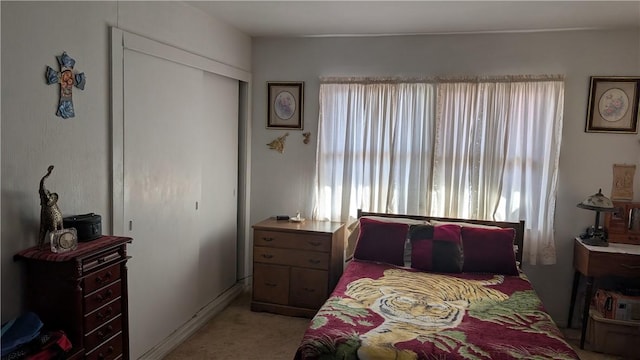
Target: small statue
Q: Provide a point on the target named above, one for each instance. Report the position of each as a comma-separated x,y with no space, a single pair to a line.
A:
278,144
50,215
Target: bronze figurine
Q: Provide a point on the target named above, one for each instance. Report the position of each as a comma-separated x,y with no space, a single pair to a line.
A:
50,215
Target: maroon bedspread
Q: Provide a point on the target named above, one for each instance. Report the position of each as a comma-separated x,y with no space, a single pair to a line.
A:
380,311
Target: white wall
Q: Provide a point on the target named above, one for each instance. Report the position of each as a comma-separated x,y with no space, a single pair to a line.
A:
33,33
282,184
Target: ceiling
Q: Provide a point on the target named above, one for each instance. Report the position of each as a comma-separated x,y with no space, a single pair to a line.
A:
371,18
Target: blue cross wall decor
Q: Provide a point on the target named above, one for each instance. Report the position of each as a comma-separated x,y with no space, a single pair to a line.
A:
67,80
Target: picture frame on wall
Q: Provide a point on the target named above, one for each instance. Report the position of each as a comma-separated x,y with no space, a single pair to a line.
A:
285,108
613,104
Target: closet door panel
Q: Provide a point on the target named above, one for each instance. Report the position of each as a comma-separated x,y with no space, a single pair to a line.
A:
218,208
162,183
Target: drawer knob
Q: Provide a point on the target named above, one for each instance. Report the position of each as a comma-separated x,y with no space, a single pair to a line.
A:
314,261
107,312
309,289
315,243
267,256
101,279
109,351
102,334
106,295
271,284
267,239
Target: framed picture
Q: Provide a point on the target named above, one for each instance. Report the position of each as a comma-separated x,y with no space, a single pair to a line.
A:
285,107
613,104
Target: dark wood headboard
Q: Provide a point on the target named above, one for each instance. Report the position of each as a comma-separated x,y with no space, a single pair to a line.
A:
518,226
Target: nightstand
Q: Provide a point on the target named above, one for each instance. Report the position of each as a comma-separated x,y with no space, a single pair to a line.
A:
295,265
594,261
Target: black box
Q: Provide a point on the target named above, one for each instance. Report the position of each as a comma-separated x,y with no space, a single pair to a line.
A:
88,226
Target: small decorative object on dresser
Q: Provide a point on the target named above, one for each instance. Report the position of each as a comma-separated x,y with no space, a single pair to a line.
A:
83,293
50,215
613,104
296,265
285,108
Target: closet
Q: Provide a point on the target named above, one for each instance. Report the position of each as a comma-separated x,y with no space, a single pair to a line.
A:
179,186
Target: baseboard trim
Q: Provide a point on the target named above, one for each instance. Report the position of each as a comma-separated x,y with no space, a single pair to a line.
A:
195,323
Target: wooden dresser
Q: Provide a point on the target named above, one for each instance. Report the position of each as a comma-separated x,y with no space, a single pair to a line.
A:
84,293
295,265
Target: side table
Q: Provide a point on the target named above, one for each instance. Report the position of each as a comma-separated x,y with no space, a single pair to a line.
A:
596,261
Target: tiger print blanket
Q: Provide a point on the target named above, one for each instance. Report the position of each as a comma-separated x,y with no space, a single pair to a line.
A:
380,311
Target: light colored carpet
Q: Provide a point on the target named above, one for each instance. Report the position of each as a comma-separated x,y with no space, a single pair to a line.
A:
238,333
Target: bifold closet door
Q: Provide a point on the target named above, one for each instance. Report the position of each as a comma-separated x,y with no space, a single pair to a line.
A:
163,109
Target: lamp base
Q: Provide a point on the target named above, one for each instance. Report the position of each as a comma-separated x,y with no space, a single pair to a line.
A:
595,241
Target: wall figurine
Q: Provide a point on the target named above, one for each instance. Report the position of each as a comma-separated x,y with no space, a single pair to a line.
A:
50,215
278,144
306,137
67,79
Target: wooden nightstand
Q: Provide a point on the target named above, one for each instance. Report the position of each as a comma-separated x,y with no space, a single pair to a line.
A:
592,261
295,265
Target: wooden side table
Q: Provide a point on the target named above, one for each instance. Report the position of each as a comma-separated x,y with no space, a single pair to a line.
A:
595,261
295,265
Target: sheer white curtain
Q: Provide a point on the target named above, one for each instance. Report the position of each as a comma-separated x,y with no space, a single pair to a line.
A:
482,149
496,155
374,149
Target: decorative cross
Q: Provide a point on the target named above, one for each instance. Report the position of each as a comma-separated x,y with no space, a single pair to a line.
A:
67,80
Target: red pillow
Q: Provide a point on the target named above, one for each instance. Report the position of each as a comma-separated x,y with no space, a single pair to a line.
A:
489,250
381,241
436,248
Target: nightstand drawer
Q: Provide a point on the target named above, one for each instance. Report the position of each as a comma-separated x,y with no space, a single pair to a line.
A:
625,265
292,240
102,296
101,278
308,288
271,283
102,315
308,259
103,333
110,256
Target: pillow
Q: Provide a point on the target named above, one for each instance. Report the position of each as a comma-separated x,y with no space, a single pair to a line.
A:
489,250
381,241
354,233
436,248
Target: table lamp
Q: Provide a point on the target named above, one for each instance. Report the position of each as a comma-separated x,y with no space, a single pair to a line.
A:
598,203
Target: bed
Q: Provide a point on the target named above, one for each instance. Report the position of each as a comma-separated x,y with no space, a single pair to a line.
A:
456,292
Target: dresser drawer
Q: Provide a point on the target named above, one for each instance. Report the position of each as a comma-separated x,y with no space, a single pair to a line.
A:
102,296
308,259
102,315
101,278
103,258
110,350
292,240
308,288
102,333
271,283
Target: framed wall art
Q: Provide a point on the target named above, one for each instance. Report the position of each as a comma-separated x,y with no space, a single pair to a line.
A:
613,104
285,107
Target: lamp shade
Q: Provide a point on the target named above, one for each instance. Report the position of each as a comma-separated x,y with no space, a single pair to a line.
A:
597,202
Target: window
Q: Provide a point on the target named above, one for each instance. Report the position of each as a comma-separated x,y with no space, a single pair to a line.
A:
484,148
